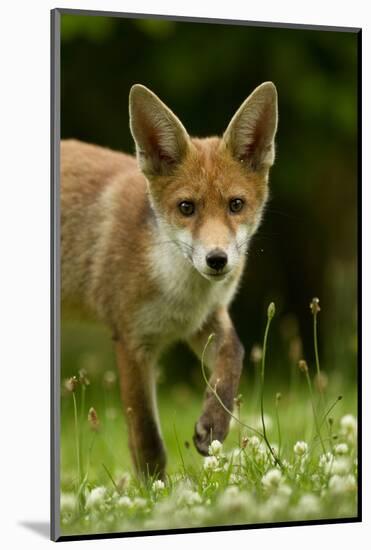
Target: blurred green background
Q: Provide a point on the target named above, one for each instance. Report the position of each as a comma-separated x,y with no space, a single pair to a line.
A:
307,244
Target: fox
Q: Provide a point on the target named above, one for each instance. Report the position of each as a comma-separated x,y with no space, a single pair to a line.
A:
154,246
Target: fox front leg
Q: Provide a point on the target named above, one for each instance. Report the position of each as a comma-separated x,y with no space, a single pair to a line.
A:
224,356
138,393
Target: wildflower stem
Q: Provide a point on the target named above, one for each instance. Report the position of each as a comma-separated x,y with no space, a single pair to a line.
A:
81,435
77,440
271,311
239,424
314,411
316,355
82,412
111,478
279,429
316,344
179,450
339,398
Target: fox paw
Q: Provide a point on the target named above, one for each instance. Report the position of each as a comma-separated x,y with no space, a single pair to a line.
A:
206,431
202,438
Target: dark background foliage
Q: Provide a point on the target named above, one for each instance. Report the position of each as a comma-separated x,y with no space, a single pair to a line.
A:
307,244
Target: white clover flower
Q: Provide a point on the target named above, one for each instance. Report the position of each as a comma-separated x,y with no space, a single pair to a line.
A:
198,514
124,502
215,448
325,462
340,466
139,502
234,500
284,490
316,481
254,442
271,479
158,485
68,502
308,505
300,448
189,498
341,449
286,464
226,466
96,497
342,484
211,463
348,427
258,447
232,491
271,507
236,479
234,457
256,422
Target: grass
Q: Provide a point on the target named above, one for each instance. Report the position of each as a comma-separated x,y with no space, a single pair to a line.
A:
290,455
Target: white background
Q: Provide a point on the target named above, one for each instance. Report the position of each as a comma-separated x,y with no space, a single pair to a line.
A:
24,271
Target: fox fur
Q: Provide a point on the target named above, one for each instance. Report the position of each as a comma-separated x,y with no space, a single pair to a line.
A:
155,247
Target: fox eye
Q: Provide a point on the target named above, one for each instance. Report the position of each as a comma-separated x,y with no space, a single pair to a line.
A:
236,205
187,208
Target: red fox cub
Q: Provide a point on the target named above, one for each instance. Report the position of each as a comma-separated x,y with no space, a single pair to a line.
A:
155,248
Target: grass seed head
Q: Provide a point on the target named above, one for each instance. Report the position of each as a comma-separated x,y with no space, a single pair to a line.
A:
109,379
244,442
93,419
321,382
303,366
123,482
83,377
314,306
256,354
271,310
71,384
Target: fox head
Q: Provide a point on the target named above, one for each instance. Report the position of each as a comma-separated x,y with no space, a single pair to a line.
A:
208,194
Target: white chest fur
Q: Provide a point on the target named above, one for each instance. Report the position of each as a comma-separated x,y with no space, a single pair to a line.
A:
185,299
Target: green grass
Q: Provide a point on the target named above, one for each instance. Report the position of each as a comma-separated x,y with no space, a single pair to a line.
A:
235,492
299,461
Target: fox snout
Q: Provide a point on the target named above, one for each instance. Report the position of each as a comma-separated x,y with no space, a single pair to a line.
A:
217,259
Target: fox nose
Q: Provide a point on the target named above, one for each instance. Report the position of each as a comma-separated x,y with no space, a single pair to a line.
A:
217,259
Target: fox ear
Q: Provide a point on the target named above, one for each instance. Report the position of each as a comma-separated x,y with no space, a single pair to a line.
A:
250,134
160,138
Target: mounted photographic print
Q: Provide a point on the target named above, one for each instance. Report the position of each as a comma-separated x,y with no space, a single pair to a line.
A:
205,312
